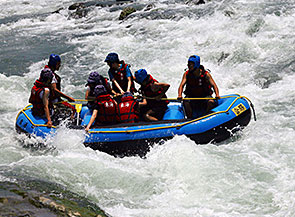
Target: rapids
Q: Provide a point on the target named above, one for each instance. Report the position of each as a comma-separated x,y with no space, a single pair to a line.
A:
249,48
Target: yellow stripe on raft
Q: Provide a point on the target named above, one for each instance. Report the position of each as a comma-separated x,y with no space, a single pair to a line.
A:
175,126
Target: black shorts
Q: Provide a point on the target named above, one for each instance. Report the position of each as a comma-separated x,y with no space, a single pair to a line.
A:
199,104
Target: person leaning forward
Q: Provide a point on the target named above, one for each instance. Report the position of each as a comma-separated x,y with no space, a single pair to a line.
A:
54,65
199,84
93,80
40,95
120,74
152,92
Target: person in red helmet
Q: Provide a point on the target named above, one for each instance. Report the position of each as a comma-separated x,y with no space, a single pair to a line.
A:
199,84
40,96
54,65
120,74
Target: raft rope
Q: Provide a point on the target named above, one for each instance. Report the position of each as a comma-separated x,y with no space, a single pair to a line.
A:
252,107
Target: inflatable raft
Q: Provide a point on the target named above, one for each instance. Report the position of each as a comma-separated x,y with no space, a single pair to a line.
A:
231,114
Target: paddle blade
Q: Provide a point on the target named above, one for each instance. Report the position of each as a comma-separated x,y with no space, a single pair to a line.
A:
78,107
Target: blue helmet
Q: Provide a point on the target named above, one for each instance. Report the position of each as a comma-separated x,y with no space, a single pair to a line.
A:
99,90
140,75
112,58
54,59
196,60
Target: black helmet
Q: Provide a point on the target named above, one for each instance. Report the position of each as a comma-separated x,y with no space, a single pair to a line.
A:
112,58
94,78
46,74
99,90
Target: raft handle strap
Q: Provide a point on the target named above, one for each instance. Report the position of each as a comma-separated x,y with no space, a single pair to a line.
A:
252,107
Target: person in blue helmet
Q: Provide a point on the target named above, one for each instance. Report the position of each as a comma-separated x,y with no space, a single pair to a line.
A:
199,84
120,74
153,91
54,65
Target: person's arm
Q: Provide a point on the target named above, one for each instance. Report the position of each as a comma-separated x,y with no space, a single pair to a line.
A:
94,114
117,85
157,86
213,84
45,100
87,92
53,86
129,84
143,103
129,76
180,88
87,97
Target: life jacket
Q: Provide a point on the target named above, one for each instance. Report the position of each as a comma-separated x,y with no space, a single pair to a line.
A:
197,86
121,77
127,110
55,95
147,91
37,102
107,109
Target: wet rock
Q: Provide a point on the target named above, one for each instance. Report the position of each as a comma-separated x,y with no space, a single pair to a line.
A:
195,2
98,3
229,13
79,13
126,12
76,6
40,198
110,3
81,10
57,11
149,7
222,57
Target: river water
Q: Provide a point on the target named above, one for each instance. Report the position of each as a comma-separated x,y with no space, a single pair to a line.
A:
249,46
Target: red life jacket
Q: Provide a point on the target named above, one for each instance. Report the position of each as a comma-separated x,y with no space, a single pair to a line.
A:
127,110
37,102
122,80
107,109
147,91
55,95
197,86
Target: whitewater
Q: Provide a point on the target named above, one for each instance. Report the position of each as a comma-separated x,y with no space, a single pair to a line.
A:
249,46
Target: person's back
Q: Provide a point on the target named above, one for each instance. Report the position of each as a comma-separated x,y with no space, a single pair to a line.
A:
128,109
105,108
40,96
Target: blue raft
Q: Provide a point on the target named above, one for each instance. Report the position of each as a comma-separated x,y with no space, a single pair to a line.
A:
231,114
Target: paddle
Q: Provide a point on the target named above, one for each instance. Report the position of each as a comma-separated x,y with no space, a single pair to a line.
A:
78,109
176,99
